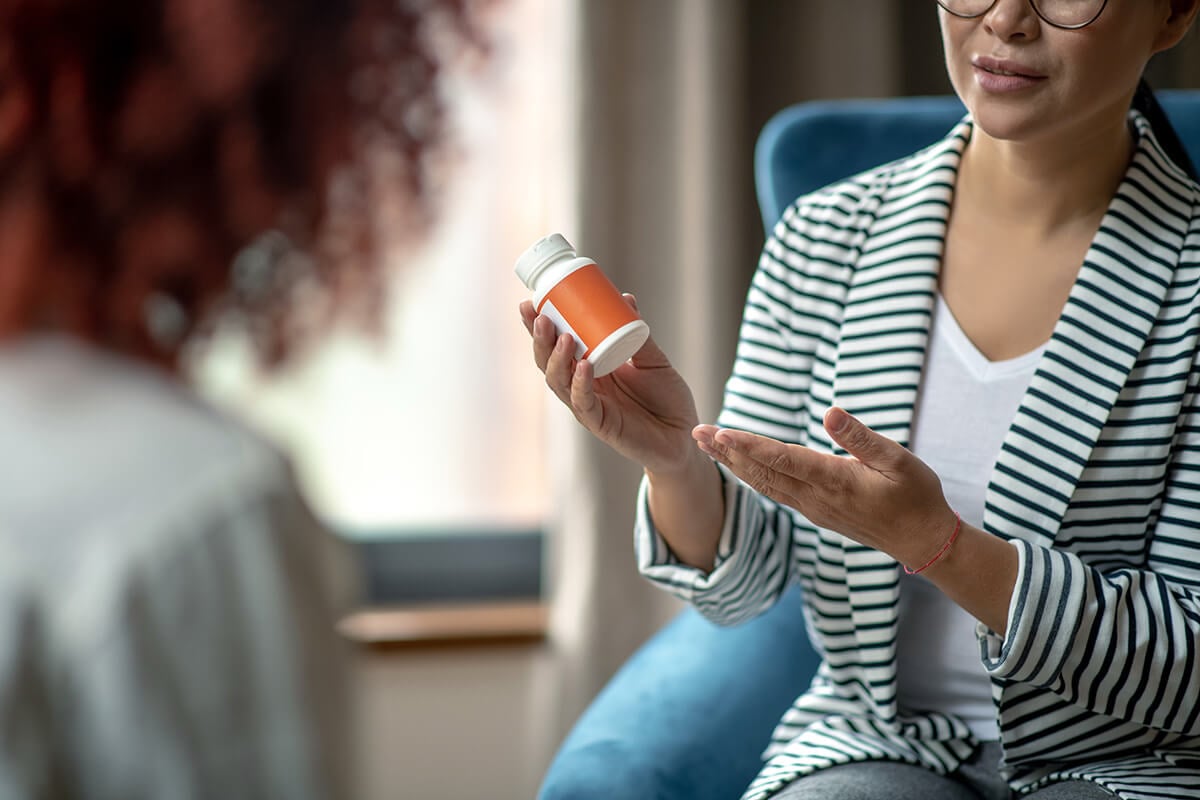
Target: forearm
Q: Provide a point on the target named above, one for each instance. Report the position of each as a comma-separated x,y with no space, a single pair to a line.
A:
979,572
688,509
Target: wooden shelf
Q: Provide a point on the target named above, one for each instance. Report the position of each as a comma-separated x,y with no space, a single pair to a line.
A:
450,624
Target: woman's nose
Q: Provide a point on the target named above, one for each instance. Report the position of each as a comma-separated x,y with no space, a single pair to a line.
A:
1012,19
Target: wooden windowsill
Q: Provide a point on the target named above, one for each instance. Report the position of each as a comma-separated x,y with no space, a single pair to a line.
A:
449,624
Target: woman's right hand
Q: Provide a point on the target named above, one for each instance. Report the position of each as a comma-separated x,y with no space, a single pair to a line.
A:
644,409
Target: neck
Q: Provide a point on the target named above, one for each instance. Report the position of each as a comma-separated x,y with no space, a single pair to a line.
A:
24,232
1045,187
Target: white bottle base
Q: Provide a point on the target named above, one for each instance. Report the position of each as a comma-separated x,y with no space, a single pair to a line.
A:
619,346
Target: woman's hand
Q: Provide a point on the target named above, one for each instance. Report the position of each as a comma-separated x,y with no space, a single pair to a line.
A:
643,410
884,497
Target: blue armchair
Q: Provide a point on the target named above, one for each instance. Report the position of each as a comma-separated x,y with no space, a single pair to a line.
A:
688,716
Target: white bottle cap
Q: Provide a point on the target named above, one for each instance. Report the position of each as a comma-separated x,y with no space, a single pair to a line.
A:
618,347
541,254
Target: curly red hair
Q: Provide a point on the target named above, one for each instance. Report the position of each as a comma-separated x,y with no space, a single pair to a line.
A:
145,143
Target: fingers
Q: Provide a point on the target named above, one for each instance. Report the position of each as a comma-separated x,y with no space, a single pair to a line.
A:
528,315
587,407
560,364
871,448
779,471
543,334
570,380
544,341
541,331
553,353
750,448
649,356
855,496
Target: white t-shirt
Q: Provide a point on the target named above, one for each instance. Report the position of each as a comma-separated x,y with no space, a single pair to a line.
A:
965,408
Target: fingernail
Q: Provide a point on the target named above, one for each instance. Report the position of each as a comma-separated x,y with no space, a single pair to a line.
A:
838,421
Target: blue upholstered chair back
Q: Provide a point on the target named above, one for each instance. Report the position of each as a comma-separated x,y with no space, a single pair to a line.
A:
807,146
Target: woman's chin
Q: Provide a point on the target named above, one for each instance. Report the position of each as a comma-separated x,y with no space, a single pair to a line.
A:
1008,124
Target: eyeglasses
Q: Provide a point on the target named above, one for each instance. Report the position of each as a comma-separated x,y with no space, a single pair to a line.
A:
1067,14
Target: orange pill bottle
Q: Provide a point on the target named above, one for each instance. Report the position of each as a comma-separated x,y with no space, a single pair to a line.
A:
580,300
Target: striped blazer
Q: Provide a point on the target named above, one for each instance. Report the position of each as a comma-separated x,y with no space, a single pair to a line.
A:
1097,486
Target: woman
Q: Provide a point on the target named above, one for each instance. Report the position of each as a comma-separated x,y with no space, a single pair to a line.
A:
166,628
1000,333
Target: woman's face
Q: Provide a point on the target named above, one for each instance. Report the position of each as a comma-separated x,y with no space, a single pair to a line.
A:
1065,80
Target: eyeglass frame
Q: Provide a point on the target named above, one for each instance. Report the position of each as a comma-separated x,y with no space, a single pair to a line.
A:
1036,10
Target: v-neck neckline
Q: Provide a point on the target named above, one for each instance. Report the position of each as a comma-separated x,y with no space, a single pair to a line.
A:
981,368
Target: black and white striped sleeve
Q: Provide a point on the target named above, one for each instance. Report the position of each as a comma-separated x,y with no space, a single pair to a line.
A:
1124,643
787,313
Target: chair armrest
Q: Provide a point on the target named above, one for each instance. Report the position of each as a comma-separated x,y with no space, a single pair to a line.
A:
689,715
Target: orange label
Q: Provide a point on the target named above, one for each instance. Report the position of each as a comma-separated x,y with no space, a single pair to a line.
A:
590,304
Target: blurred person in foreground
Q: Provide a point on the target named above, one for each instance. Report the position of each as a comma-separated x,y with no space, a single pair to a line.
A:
167,600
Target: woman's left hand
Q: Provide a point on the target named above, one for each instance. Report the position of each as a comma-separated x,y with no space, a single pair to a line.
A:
883,497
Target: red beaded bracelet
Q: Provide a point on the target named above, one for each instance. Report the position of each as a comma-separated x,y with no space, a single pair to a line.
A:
937,557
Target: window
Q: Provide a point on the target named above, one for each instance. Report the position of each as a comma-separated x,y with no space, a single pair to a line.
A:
438,430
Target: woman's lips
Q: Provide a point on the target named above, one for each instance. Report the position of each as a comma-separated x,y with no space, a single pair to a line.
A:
996,75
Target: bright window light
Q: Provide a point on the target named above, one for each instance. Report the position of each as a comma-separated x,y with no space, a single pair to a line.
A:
441,425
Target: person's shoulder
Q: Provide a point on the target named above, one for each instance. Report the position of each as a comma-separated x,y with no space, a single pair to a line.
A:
97,443
837,210
62,393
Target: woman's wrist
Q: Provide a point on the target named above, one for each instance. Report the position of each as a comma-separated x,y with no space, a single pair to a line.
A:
694,467
688,510
979,573
943,536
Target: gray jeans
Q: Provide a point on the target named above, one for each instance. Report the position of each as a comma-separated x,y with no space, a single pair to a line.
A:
977,779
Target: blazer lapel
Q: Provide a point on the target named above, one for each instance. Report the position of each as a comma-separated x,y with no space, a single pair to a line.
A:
1095,345
880,356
